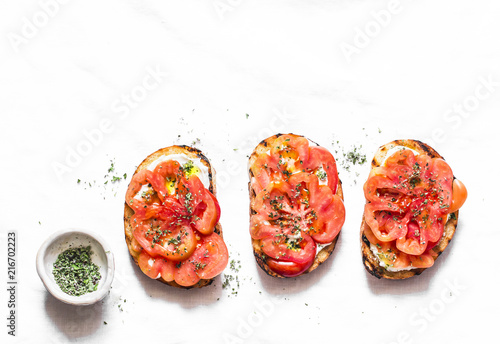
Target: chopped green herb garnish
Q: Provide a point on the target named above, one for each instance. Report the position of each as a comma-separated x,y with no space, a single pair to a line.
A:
75,273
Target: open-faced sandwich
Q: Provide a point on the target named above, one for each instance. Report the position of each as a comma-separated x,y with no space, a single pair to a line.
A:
411,211
296,205
171,218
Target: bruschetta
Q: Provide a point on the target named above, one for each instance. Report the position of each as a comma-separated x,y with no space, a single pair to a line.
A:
296,205
411,210
171,218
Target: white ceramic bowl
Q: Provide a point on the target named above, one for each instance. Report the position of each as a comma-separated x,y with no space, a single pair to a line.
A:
61,241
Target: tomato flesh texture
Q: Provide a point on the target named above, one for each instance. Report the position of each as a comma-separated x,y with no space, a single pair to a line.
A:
289,248
287,269
206,214
412,243
167,176
199,204
260,227
217,206
159,267
293,152
149,266
208,260
320,156
330,221
148,205
264,171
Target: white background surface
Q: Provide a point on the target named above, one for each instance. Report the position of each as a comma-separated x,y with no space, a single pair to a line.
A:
280,62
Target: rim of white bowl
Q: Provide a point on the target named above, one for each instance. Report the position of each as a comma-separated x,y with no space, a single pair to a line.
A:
52,287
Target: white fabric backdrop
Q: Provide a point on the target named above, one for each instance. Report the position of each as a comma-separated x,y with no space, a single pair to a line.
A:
83,83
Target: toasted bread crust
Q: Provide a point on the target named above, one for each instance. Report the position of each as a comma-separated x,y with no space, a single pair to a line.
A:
370,261
259,255
192,153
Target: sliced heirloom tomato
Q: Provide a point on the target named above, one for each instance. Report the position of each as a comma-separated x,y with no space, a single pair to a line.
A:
287,269
329,221
287,155
260,227
217,206
459,195
208,260
162,239
199,204
156,267
146,204
273,200
264,171
386,226
321,159
290,247
292,151
166,178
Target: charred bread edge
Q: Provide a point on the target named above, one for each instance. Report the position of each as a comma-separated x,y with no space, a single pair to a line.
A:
370,261
192,153
257,251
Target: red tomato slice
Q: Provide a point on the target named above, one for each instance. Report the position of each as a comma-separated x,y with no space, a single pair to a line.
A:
385,225
208,260
150,266
321,198
288,247
422,261
305,188
185,274
166,240
264,170
167,176
260,227
459,195
388,252
217,206
293,152
139,179
189,193
330,221
148,204
413,243
369,235
401,157
287,269
167,270
206,214
273,200
199,205
321,157
386,194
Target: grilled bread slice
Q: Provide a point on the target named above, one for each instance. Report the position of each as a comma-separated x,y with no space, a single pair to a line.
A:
191,153
370,260
259,255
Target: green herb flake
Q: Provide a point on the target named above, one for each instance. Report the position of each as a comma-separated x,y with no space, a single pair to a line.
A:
75,273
